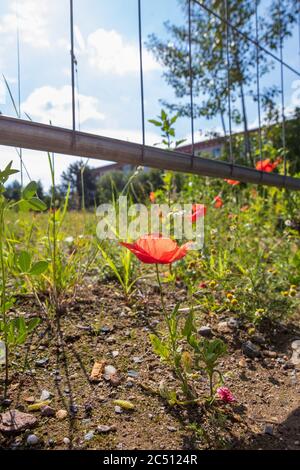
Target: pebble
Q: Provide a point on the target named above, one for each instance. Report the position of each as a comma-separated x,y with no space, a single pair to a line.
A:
45,395
205,331
61,414
47,411
89,436
118,410
171,428
223,327
103,428
42,362
66,441
250,349
13,421
269,430
133,374
233,323
137,360
295,359
32,440
115,353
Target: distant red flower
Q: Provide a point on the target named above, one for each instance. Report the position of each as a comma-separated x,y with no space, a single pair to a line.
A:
267,165
153,249
225,395
244,208
203,285
218,202
198,210
152,196
232,182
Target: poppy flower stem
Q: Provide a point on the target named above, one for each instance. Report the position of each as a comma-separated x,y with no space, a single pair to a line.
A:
161,294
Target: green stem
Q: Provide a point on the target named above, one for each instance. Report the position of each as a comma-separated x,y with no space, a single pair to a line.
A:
3,297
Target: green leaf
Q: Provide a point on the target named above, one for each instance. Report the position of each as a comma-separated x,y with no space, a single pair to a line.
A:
36,204
38,268
189,325
33,323
155,122
24,261
159,347
30,190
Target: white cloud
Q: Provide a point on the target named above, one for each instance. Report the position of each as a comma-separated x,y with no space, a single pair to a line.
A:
32,20
54,104
108,52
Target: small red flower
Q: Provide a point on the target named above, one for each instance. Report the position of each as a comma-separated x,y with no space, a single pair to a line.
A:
198,210
267,165
232,182
152,196
218,202
225,395
203,285
153,249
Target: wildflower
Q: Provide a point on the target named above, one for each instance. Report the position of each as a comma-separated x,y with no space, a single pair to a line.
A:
267,165
225,395
153,249
152,196
198,210
285,293
212,284
218,202
293,292
229,296
232,182
234,302
203,285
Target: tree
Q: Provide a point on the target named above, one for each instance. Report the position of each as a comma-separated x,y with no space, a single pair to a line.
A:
83,188
210,38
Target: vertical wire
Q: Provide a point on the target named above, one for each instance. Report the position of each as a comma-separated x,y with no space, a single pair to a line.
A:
19,88
141,75
283,134
191,80
299,30
72,64
228,80
258,82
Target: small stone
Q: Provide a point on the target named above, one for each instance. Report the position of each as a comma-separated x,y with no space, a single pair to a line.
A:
118,410
133,374
42,362
297,443
171,428
250,350
45,395
205,331
14,421
47,411
6,402
137,360
105,329
89,436
233,323
66,441
295,359
242,363
268,353
97,371
32,440
258,339
223,327
115,353
61,414
269,430
111,375
102,428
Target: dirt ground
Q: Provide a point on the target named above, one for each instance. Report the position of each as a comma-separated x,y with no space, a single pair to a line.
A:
98,324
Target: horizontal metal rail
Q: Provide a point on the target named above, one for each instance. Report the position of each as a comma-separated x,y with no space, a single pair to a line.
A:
32,135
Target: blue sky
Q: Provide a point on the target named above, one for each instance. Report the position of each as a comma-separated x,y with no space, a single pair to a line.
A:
106,40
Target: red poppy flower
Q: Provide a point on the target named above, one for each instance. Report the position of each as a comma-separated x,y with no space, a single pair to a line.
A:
203,285
267,165
153,249
152,196
198,210
218,202
232,182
